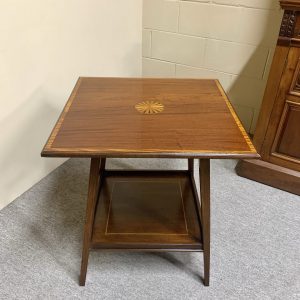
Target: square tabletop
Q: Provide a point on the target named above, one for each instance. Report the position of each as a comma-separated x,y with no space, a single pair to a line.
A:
148,117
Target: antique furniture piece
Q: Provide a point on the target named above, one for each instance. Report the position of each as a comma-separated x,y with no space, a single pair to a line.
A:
277,135
148,118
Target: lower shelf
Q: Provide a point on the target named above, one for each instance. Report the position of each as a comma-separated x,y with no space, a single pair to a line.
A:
147,210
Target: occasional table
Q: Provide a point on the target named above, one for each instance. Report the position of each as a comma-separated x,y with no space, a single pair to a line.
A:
148,210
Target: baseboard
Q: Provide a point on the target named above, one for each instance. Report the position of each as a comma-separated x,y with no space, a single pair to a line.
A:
270,174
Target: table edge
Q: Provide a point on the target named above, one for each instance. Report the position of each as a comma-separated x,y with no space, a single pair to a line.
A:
148,154
62,115
235,117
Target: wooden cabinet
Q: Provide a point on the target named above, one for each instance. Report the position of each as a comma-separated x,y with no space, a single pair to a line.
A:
277,135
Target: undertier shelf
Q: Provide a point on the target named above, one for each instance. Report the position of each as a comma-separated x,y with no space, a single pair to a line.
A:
147,210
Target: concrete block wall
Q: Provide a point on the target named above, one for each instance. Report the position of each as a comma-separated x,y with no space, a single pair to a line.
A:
232,40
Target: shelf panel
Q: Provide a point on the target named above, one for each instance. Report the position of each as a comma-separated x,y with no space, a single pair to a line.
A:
146,210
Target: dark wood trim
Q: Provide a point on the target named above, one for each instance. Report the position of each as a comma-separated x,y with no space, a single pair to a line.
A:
284,157
150,247
98,247
288,42
270,174
138,173
295,42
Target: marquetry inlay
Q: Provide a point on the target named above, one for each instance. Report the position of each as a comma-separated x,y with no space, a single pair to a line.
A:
149,107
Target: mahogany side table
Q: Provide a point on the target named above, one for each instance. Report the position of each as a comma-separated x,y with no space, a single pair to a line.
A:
148,118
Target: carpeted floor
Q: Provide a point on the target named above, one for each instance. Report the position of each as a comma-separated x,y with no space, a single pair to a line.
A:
255,244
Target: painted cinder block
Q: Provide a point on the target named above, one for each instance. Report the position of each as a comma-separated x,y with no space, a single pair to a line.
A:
161,14
177,48
156,68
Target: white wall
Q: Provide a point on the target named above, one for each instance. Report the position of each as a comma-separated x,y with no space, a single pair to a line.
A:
45,45
232,40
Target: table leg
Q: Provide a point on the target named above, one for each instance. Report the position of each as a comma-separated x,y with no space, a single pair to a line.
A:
94,184
205,213
191,169
191,165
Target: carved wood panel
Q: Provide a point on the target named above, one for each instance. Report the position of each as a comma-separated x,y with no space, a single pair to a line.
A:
288,24
289,33
286,144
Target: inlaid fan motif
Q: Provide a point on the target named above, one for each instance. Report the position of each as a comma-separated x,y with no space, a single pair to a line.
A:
149,107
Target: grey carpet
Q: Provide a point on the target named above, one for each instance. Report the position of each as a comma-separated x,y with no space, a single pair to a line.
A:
255,244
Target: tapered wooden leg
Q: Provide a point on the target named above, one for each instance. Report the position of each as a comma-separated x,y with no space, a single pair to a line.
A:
191,169
205,214
94,182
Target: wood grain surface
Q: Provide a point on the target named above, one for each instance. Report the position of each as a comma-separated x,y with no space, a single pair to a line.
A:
100,119
147,210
